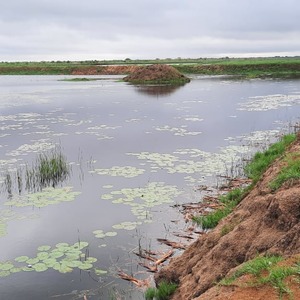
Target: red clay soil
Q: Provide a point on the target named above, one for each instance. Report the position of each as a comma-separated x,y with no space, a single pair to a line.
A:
264,222
156,74
241,289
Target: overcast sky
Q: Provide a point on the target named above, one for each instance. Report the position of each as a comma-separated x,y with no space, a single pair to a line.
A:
38,30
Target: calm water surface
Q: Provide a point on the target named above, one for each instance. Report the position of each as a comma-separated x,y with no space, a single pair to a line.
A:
134,153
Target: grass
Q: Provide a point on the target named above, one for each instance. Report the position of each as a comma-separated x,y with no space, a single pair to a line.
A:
230,201
254,170
162,292
289,173
265,270
49,169
262,160
281,67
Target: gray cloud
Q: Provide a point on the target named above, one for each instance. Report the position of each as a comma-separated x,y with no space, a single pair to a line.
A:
93,29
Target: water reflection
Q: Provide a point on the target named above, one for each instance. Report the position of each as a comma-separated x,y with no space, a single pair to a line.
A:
157,90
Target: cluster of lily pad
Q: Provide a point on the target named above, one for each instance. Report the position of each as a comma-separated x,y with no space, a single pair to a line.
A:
126,171
47,196
264,103
62,258
143,199
36,147
177,131
197,162
98,131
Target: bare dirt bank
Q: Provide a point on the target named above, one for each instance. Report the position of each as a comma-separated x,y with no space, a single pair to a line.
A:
263,223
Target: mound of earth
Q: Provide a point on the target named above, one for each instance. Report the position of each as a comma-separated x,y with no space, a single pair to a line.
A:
157,74
264,222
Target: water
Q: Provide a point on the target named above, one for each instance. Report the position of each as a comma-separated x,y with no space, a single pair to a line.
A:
134,153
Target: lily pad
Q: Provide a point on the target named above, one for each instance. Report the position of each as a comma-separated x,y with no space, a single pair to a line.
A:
85,266
4,273
21,259
111,233
40,267
32,261
44,248
100,272
6,266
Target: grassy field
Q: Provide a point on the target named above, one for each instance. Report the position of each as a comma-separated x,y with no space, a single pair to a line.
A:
280,67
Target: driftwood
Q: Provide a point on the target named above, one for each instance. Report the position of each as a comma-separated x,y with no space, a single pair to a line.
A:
156,262
137,282
174,245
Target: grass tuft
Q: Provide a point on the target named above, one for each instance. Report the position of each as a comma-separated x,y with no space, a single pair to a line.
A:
289,173
258,267
262,160
162,292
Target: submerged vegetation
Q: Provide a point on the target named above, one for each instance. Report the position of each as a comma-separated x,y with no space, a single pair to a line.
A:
254,170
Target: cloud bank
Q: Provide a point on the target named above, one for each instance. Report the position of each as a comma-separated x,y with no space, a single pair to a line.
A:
117,29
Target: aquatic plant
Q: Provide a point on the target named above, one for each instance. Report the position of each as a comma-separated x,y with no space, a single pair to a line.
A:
62,258
126,171
142,199
49,170
47,196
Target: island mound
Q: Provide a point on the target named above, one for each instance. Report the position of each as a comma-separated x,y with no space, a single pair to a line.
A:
157,74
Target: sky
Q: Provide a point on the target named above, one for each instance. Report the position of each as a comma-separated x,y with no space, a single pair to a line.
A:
46,30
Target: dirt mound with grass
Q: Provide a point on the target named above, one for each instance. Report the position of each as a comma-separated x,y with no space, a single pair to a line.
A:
264,223
157,74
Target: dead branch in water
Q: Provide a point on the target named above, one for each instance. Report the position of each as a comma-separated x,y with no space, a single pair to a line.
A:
156,262
174,245
137,282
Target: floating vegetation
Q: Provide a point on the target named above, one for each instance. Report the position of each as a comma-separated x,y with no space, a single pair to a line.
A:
207,164
143,199
38,146
127,225
7,215
126,171
264,103
177,131
98,131
47,196
50,169
62,258
190,118
101,234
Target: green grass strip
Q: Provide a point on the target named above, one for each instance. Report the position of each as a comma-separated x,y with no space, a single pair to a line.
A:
288,173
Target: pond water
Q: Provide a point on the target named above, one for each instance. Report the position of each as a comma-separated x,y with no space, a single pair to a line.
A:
134,152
